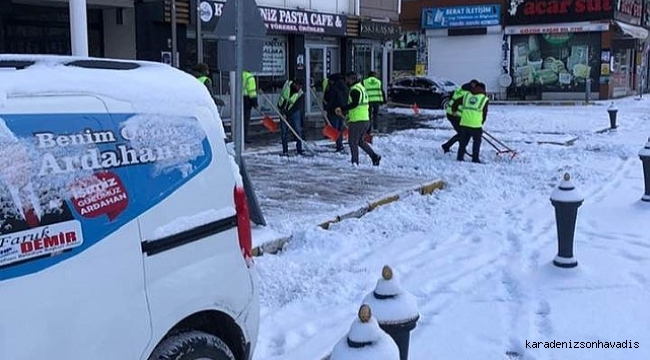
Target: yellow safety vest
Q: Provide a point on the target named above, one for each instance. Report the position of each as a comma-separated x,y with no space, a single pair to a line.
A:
458,93
287,101
359,113
373,87
249,87
473,105
203,79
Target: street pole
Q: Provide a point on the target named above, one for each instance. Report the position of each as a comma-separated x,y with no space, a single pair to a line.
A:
78,28
174,39
239,69
199,35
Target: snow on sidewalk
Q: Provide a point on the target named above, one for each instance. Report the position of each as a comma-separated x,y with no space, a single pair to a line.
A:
478,254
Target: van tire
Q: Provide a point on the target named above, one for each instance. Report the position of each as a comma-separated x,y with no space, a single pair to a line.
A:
192,345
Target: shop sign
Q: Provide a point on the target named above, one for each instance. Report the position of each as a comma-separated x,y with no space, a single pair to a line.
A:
523,12
629,11
282,20
378,30
461,16
556,28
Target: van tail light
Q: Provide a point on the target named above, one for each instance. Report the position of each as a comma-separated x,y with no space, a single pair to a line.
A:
244,225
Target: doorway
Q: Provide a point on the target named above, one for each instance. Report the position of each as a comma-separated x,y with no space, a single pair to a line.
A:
322,61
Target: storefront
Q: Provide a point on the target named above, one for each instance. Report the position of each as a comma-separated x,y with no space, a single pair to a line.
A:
465,42
300,44
372,48
43,27
410,55
573,51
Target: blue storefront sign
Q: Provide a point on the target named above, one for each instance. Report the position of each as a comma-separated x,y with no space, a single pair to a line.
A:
461,16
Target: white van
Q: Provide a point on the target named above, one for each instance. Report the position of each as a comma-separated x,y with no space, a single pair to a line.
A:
124,229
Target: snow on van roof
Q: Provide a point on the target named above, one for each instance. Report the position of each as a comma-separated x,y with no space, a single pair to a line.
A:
148,86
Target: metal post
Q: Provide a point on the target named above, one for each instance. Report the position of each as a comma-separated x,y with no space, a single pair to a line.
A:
588,90
174,39
199,35
78,28
239,69
233,108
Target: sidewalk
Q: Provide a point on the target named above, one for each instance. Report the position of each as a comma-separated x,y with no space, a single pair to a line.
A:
325,189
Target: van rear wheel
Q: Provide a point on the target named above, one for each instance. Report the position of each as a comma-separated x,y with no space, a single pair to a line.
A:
192,345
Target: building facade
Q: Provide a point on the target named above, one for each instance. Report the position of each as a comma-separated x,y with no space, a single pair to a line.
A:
594,49
371,36
43,27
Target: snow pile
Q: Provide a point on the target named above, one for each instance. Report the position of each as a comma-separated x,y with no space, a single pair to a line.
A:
365,341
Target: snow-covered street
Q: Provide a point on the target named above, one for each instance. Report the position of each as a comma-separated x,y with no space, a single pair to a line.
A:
477,255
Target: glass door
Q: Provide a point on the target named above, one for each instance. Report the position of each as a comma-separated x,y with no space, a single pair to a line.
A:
315,75
322,61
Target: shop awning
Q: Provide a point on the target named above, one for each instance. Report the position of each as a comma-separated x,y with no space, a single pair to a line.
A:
636,32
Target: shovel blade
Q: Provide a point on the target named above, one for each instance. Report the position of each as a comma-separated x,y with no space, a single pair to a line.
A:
330,132
269,124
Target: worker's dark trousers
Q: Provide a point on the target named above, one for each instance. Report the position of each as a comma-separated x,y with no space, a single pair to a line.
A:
466,133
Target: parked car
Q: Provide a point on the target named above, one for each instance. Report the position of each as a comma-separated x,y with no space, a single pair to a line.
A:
124,227
426,91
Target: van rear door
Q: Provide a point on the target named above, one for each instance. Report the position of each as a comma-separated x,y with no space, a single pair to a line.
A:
193,261
71,271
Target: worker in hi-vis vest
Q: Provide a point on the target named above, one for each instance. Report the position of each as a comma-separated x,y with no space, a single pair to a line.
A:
202,73
291,105
249,87
454,117
376,97
358,119
474,107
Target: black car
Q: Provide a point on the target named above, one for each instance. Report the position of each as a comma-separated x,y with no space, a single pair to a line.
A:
425,91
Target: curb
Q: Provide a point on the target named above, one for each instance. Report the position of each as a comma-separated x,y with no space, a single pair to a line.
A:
277,245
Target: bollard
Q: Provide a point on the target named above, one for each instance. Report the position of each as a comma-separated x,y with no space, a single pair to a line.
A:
365,340
395,309
612,111
566,200
644,154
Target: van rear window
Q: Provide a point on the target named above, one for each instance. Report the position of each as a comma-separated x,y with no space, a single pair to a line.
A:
104,64
15,64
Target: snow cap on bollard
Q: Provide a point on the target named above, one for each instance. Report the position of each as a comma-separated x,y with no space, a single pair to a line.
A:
645,151
390,302
365,340
566,192
612,107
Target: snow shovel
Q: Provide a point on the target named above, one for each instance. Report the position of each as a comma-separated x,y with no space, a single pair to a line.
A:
284,119
268,122
498,145
329,131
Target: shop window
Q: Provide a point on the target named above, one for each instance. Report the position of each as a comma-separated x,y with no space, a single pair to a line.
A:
555,63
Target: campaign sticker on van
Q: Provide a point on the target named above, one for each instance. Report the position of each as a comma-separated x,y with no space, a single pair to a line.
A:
100,194
86,174
41,241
